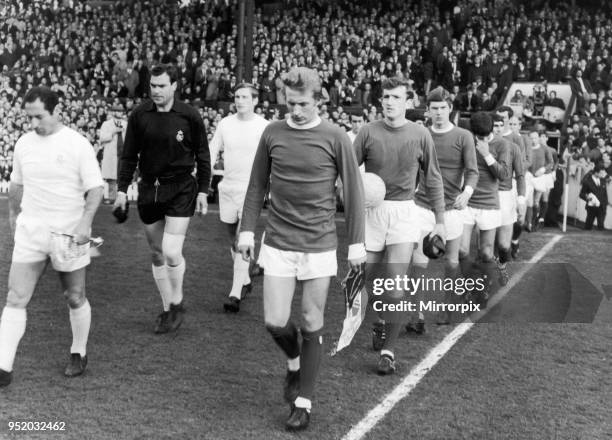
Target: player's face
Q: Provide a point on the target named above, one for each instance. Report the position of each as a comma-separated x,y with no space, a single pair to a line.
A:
505,116
303,107
41,120
357,123
535,139
162,90
514,124
394,102
498,127
245,103
439,112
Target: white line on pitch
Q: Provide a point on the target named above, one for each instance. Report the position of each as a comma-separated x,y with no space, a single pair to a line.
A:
418,372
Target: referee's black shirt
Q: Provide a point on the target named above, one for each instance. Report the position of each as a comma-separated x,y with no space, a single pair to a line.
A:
165,144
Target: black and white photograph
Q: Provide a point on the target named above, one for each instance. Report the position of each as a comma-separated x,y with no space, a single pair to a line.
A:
305,219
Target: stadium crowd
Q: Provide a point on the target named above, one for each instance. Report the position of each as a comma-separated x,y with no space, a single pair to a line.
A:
100,56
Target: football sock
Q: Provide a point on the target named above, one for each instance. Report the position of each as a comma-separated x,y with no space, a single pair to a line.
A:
516,232
544,209
466,266
529,215
241,276
80,322
488,268
302,402
160,275
293,364
286,338
175,275
418,272
451,272
387,353
12,328
393,330
504,255
312,351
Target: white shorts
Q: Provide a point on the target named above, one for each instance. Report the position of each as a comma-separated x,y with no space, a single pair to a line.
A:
484,219
508,207
391,222
453,222
300,265
33,244
541,184
550,181
231,202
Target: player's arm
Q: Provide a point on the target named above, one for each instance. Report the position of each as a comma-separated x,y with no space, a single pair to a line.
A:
433,183
354,204
526,148
15,196
519,172
470,173
216,144
549,162
253,202
93,184
499,166
128,162
15,188
359,147
204,168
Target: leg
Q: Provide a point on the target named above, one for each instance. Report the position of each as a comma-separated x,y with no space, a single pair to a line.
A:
464,250
379,330
590,217
172,249
241,282
23,278
417,270
537,197
451,271
314,297
503,241
73,284
487,260
397,262
601,217
277,297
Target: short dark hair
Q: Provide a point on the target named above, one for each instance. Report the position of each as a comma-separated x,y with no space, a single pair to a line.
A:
246,85
48,97
599,166
439,94
393,82
497,118
169,69
505,108
481,124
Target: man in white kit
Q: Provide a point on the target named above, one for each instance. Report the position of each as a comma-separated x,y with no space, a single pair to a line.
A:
237,136
56,186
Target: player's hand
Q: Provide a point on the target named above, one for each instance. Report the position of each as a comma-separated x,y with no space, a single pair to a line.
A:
439,230
462,200
482,147
357,263
120,201
246,251
80,235
540,171
202,204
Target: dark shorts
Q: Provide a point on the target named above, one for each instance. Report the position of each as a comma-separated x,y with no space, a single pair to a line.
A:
173,199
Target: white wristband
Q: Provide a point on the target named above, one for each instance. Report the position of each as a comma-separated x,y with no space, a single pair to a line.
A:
246,238
489,159
356,250
468,190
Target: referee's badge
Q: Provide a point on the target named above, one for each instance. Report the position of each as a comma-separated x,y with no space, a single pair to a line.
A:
180,136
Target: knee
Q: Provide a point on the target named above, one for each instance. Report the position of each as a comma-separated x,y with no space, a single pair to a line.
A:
172,254
274,322
75,297
451,262
312,320
486,254
16,299
463,254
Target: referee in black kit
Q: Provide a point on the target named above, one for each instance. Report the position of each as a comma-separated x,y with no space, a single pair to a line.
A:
165,138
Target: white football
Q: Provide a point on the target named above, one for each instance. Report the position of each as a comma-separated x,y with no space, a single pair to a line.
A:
374,189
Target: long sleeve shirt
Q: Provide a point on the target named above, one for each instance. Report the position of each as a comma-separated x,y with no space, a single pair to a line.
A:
165,144
518,171
301,165
399,155
486,192
456,155
541,158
